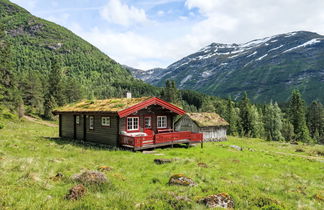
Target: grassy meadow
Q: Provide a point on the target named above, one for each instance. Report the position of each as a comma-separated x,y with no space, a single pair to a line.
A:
268,175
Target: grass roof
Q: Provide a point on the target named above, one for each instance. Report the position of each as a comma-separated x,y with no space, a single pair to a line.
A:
106,105
206,119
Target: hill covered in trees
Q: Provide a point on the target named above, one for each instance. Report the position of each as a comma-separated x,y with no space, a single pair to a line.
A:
40,59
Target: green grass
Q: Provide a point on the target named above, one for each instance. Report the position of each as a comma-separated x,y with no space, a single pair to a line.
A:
263,173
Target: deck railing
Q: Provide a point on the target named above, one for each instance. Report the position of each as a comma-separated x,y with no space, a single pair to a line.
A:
160,138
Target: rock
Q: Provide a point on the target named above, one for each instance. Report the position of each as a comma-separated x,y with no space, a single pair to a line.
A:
236,147
202,165
58,176
149,152
105,168
90,177
76,192
180,179
220,200
162,161
159,154
294,142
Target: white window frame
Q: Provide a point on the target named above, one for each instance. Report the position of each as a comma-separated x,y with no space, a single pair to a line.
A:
133,126
77,119
162,121
149,124
91,122
105,121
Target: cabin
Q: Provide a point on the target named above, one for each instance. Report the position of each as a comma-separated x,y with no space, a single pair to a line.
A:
136,123
211,125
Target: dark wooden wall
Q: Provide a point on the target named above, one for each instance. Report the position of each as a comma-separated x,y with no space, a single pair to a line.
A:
67,128
100,134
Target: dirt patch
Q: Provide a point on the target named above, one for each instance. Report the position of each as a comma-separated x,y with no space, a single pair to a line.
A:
42,122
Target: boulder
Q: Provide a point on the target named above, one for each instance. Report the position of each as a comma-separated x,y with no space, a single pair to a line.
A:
90,177
162,161
236,147
180,179
76,192
222,200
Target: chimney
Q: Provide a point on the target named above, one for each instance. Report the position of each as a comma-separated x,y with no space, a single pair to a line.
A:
128,95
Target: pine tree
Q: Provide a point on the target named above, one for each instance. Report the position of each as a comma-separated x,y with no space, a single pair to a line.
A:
245,116
257,130
232,118
287,130
315,120
55,94
49,105
273,122
297,117
170,93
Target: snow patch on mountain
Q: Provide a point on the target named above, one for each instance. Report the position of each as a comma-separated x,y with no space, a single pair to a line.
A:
255,52
291,34
276,48
310,42
184,80
258,59
206,74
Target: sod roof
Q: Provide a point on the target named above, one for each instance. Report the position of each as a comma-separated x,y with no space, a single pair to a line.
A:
106,105
206,119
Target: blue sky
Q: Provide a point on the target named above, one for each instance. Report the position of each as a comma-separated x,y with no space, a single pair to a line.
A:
155,33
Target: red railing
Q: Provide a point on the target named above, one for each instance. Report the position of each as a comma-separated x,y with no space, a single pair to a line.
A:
159,138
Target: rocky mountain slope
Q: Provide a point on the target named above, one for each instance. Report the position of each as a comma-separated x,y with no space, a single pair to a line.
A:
266,69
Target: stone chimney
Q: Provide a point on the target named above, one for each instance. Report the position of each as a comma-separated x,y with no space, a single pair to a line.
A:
128,95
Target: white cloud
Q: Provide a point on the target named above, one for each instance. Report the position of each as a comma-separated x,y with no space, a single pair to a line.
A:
117,12
160,13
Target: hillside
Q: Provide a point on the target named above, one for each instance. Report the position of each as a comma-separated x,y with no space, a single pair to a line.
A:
266,69
34,42
268,175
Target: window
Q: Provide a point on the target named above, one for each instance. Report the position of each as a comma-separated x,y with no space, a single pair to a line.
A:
91,122
162,121
147,122
105,121
132,123
77,120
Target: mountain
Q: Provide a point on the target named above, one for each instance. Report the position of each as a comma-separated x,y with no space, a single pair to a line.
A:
34,43
267,69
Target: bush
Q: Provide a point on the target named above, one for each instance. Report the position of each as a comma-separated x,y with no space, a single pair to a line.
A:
1,126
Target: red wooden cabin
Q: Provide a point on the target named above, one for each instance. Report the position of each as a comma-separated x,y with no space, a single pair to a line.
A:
136,123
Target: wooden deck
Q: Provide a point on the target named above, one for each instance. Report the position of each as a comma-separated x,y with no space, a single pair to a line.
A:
160,140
